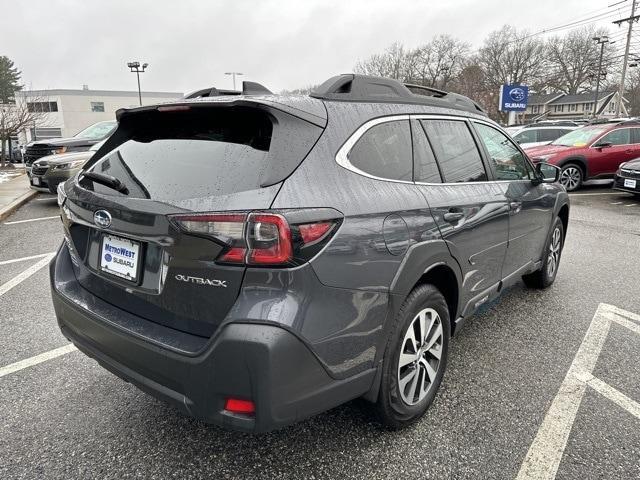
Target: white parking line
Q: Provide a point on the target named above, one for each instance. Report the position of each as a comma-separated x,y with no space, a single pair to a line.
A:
546,451
22,259
599,193
46,199
32,220
5,287
43,357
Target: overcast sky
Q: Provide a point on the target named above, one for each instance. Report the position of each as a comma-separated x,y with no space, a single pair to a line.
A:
285,44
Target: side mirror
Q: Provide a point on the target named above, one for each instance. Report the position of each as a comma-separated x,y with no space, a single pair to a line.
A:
547,173
603,145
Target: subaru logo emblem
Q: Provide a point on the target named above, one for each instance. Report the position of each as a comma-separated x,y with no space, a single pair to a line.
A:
516,94
102,218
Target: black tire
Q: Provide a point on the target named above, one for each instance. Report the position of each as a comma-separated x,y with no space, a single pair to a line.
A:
394,412
571,176
546,275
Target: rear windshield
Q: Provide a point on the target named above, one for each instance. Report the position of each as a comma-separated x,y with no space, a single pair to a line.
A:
178,155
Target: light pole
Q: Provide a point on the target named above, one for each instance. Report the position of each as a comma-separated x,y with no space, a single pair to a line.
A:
135,67
601,41
233,74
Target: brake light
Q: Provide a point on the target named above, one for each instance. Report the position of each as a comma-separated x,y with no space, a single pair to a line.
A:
312,232
235,405
259,238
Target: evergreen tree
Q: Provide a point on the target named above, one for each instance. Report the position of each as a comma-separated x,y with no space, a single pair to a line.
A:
9,80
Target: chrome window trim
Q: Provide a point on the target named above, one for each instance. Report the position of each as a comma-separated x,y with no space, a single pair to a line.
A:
342,158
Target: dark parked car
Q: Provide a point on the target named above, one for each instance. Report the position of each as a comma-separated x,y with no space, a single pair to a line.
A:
81,142
49,172
258,259
591,152
627,178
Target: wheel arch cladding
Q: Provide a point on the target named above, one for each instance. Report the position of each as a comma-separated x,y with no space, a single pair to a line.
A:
563,213
444,279
579,161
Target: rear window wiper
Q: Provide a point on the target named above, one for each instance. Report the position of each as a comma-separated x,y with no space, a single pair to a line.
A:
107,181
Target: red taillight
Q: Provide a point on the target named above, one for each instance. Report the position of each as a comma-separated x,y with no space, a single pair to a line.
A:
258,238
312,232
269,239
235,405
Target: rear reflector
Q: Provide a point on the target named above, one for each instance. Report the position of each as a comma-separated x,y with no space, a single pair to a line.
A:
235,405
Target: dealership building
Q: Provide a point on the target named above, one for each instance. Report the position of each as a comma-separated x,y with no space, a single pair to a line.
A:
67,112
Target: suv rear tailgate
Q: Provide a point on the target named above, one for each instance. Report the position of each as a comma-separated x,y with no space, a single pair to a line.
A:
208,160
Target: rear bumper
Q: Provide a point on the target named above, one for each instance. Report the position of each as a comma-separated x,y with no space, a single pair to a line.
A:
261,362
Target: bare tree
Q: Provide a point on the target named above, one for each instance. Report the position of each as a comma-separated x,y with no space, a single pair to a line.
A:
392,63
16,118
573,60
633,92
509,56
437,62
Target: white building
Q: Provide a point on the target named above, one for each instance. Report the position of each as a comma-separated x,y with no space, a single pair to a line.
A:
70,111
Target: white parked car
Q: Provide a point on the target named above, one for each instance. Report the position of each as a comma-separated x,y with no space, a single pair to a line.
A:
531,136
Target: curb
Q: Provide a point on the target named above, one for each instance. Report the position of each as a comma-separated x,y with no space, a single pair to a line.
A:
15,204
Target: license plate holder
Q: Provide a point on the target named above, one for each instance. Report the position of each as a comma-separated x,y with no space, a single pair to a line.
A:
36,181
629,183
120,257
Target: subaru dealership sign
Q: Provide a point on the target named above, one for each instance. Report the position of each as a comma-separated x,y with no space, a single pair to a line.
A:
513,98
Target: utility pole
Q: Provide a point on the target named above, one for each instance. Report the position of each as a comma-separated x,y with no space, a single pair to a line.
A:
631,19
233,74
135,67
601,41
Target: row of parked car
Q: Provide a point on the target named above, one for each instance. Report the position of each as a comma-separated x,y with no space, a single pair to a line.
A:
53,161
594,151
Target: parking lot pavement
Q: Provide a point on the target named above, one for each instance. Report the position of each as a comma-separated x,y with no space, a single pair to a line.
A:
66,417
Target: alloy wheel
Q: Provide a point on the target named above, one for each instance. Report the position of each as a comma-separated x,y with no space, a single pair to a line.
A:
570,177
554,252
420,356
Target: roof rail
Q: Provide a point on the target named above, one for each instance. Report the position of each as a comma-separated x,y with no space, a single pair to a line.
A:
350,87
211,92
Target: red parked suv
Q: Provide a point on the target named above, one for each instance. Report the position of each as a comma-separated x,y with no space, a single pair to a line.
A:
594,151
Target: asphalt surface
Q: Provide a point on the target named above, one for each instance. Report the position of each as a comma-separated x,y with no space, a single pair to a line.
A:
69,418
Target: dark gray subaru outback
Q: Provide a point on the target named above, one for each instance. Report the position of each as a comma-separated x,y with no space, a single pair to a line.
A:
256,259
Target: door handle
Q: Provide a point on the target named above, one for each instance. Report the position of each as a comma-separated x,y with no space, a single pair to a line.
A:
453,216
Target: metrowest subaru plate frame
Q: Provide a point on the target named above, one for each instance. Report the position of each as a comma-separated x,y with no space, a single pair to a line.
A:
134,279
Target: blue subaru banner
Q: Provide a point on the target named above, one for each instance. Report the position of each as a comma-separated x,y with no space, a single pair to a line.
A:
513,98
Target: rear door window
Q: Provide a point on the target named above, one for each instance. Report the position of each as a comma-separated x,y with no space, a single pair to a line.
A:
526,136
455,150
384,151
425,167
550,134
